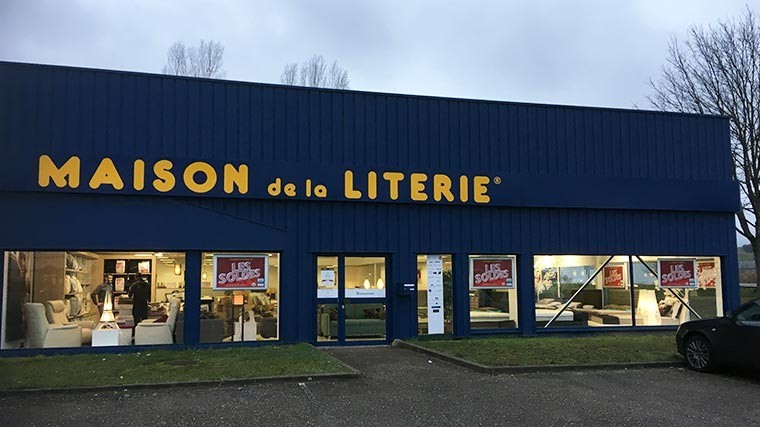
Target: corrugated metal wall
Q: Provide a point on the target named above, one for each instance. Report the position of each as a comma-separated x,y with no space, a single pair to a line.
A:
85,111
61,110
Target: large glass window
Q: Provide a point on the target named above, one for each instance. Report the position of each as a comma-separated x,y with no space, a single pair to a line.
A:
351,303
596,291
327,322
365,277
493,291
81,298
365,321
327,277
661,305
240,302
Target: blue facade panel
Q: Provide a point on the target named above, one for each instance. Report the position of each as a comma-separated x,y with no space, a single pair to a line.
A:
576,180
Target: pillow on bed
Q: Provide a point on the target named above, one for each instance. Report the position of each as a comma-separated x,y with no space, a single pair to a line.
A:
546,306
575,305
555,304
545,301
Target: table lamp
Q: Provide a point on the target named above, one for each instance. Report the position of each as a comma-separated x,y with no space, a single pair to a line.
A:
107,319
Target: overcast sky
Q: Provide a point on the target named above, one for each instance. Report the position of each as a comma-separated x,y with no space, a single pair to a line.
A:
580,52
598,52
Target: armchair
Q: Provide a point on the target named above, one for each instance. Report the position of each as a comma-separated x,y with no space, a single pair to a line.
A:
151,332
55,311
266,326
41,334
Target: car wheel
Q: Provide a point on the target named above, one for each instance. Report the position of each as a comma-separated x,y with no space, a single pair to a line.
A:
699,355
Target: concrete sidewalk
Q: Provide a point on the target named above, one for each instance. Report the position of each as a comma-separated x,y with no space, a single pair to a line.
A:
401,387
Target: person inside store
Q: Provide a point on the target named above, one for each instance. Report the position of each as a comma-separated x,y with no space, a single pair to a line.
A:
139,291
98,295
17,293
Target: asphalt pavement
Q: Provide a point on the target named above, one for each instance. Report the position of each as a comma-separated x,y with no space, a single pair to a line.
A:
400,388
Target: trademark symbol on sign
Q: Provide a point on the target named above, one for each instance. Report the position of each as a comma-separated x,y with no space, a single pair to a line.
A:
497,180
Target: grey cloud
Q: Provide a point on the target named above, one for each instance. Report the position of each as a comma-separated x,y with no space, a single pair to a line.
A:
590,52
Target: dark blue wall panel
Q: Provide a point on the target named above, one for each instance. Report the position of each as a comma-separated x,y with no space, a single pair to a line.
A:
538,149
103,113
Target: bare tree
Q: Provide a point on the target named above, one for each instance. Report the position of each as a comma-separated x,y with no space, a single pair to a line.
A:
314,72
289,75
717,71
337,77
204,60
176,60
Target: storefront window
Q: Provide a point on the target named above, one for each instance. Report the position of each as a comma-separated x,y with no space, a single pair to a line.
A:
558,278
365,321
435,313
327,277
239,297
327,322
365,277
80,298
568,293
493,292
662,305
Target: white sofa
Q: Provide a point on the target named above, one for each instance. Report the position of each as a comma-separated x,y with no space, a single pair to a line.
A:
55,311
149,332
41,334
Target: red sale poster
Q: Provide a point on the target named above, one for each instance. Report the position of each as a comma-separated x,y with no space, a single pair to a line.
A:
677,273
707,274
241,272
492,273
614,276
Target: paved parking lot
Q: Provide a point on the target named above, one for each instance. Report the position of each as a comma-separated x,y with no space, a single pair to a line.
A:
399,387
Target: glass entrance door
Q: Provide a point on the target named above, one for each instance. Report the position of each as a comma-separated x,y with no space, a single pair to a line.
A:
351,299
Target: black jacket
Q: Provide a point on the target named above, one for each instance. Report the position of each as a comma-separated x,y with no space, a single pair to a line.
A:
140,294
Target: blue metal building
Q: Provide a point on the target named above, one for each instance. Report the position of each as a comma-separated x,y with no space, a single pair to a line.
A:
553,180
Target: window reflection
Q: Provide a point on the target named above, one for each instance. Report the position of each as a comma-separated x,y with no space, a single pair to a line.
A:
606,298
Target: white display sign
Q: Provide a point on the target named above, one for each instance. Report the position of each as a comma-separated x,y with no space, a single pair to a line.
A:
435,294
327,285
327,293
365,293
327,277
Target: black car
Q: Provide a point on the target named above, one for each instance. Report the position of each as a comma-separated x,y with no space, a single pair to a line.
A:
730,340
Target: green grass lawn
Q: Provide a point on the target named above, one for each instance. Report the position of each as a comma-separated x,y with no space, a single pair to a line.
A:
517,351
164,366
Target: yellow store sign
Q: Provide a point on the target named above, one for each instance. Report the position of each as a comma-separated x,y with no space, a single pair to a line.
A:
198,177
